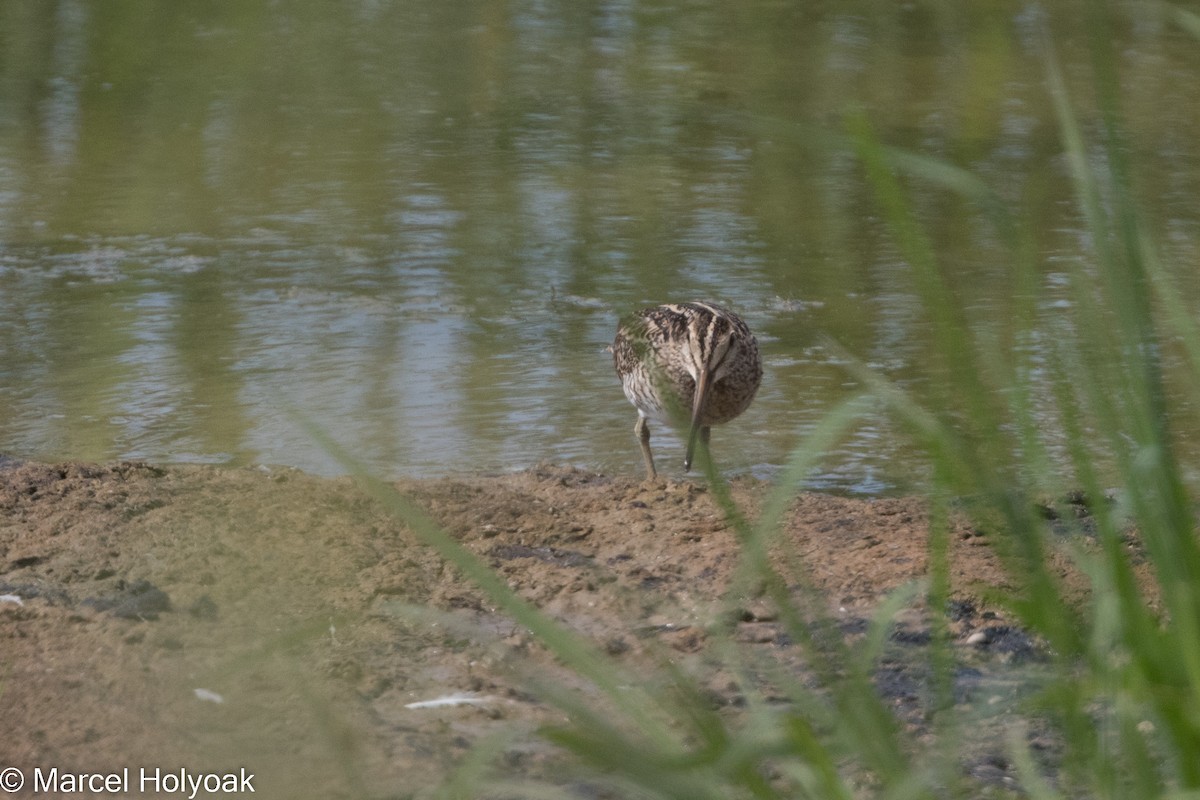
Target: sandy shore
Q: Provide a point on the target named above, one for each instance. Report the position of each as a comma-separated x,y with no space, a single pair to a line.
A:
221,619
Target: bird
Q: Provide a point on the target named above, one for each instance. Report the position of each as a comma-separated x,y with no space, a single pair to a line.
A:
686,361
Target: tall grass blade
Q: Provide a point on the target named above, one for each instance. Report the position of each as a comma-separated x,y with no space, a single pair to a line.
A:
581,656
1137,420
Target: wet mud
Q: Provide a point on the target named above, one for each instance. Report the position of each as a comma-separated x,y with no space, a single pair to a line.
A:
264,619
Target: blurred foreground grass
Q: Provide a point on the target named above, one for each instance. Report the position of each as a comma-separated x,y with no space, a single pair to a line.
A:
1122,692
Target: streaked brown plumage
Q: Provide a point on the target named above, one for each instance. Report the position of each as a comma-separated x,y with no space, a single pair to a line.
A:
693,361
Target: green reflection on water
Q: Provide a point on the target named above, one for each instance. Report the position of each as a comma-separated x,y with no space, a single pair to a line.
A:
418,222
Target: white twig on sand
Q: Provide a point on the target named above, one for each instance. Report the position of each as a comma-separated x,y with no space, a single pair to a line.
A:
208,695
457,699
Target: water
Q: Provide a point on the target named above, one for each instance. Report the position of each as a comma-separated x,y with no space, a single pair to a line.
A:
417,224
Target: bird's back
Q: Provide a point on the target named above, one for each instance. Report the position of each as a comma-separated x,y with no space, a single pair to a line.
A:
659,352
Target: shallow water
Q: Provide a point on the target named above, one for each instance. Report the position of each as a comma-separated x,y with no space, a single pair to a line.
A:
416,225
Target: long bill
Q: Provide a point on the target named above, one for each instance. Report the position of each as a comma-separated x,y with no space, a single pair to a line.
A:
699,400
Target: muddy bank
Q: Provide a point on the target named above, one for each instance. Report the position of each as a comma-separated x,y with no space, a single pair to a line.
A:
213,619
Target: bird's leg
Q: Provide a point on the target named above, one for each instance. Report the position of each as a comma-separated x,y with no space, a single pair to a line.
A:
642,431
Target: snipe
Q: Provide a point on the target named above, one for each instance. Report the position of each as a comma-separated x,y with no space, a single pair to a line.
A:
694,361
